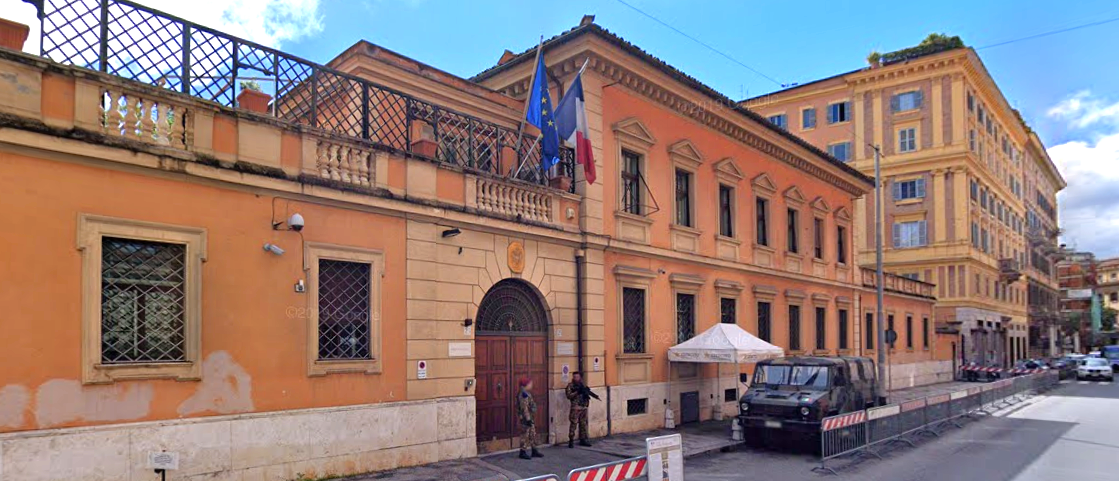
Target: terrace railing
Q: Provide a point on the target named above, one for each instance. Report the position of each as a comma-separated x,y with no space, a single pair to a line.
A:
134,42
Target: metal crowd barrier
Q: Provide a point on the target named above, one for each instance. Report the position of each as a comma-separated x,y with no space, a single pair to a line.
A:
870,431
631,468
546,477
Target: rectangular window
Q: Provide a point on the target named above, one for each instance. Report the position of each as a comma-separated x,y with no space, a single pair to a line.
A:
726,211
841,151
909,189
843,329
631,183
975,235
909,332
633,320
821,328
808,119
761,212
970,102
794,328
890,327
906,101
841,245
637,407
764,332
728,310
792,241
683,198
780,120
869,330
910,234
730,395
839,112
143,308
925,332
907,139
818,237
974,191
345,310
971,140
685,317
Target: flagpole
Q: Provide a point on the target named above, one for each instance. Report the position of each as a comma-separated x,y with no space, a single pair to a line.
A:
531,83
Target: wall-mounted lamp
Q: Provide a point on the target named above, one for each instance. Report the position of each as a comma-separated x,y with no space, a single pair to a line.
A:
451,232
468,323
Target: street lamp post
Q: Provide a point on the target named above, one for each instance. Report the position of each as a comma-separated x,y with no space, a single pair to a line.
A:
879,283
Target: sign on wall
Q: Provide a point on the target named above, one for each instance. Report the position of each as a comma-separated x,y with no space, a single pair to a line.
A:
421,370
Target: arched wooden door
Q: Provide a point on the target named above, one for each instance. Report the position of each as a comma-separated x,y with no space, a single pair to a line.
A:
511,341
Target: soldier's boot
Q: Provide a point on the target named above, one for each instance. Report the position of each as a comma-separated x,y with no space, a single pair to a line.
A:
584,442
570,444
524,455
536,454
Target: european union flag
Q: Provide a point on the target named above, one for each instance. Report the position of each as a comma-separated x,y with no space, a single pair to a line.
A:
539,112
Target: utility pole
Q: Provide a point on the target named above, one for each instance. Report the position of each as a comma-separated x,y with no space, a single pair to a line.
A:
879,283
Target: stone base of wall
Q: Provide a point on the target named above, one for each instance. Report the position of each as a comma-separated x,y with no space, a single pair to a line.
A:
919,374
710,394
276,446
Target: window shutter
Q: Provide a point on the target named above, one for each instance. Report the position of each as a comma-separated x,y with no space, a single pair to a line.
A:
895,103
831,114
848,114
921,188
923,226
897,190
897,235
918,98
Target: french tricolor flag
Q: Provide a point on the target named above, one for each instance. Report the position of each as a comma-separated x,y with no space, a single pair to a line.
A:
571,120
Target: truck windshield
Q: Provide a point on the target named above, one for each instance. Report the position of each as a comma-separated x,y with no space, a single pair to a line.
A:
812,377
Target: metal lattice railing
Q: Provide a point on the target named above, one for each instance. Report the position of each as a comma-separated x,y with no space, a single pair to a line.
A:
344,310
132,41
143,291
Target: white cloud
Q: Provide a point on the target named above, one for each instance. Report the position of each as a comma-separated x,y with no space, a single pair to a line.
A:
1082,110
1089,206
268,22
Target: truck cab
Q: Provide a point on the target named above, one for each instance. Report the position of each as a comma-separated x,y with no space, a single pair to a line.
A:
794,394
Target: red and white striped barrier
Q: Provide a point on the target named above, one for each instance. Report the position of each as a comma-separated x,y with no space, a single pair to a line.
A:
616,471
837,422
999,370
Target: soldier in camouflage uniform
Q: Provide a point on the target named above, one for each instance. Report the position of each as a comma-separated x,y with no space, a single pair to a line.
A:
526,412
580,396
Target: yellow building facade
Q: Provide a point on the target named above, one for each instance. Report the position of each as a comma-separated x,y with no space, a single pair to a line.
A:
968,193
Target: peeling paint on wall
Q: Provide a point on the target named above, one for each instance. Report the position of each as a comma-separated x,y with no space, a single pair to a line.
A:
60,401
13,402
225,388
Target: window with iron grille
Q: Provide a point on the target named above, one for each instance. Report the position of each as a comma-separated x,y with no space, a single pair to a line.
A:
869,330
909,332
792,240
794,328
143,291
633,320
761,212
685,317
821,328
635,407
818,237
730,395
841,245
890,327
728,310
925,332
683,198
726,211
764,332
631,183
344,310
843,329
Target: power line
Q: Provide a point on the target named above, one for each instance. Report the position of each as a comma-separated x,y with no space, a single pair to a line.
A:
705,45
1052,32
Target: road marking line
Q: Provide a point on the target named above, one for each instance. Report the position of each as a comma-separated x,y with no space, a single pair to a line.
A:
1082,382
1066,382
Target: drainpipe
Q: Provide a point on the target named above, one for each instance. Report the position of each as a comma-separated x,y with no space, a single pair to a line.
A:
580,262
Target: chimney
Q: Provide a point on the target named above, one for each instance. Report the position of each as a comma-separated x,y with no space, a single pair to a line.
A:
12,34
587,20
505,57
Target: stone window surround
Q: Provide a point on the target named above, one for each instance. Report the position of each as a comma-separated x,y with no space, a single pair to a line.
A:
728,175
821,300
635,278
763,189
91,229
686,284
795,297
726,289
768,294
843,219
684,156
632,135
313,251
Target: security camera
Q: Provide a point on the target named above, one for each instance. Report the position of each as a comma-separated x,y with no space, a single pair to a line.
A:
296,222
273,248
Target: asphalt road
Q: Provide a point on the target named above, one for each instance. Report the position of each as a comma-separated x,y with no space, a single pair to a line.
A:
1071,433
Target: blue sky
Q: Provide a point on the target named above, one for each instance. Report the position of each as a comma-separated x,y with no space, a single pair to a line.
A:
1065,84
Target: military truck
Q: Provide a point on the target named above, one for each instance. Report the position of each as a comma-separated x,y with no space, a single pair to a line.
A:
791,395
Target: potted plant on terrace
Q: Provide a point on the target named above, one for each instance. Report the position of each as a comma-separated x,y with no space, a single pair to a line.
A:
252,98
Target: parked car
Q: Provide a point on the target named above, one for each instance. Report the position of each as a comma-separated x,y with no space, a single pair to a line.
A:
1095,368
1066,368
1029,365
793,395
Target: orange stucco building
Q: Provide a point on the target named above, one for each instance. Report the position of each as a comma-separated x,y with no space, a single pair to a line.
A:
169,299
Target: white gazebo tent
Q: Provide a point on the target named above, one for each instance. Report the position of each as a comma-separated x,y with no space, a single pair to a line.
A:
724,343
